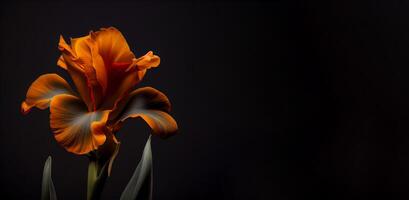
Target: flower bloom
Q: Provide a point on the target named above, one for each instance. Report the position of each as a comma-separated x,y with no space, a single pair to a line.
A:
104,71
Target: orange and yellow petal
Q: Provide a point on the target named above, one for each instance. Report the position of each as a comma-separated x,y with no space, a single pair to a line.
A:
98,64
147,61
160,122
122,78
103,67
81,70
74,128
42,91
82,48
112,45
149,104
116,77
86,49
120,84
61,62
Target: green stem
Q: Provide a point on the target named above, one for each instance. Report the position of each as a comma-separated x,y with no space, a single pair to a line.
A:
97,174
100,163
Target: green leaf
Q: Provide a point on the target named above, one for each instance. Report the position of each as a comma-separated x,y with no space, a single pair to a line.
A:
140,185
48,190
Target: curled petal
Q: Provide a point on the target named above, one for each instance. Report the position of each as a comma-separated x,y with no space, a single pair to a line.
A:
79,61
76,129
121,83
112,45
149,104
103,67
161,122
43,89
122,78
116,57
147,61
61,62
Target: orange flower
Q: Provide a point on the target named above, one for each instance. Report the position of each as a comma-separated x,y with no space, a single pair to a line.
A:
104,71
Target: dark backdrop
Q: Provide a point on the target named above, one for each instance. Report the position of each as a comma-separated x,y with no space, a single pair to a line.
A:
275,100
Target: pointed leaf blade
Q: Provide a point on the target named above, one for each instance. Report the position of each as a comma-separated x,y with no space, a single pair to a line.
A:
140,185
48,190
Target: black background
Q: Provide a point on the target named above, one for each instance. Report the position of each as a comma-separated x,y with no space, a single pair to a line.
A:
275,100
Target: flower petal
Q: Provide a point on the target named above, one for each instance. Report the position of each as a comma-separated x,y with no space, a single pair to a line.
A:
81,70
76,129
149,104
113,46
61,62
43,89
117,58
102,66
121,82
147,61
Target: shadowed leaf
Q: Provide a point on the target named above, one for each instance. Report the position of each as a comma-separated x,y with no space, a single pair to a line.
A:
140,185
48,190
